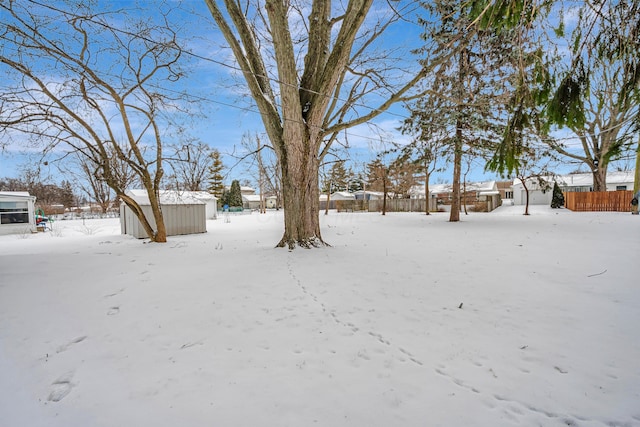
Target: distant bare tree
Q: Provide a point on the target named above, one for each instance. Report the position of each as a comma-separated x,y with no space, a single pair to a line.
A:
265,168
429,148
91,184
190,163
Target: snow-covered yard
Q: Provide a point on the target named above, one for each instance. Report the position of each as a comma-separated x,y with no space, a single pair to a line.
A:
407,320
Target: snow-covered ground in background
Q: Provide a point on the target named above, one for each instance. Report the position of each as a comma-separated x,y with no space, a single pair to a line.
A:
407,320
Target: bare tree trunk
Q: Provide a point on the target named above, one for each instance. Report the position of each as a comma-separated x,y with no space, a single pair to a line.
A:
159,235
636,180
426,189
464,194
526,193
301,200
384,195
457,155
454,216
326,208
600,178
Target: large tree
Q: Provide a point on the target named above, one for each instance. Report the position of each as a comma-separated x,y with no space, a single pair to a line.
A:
93,82
305,103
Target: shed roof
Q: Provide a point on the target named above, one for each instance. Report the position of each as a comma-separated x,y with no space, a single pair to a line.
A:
343,195
202,195
167,197
17,195
251,197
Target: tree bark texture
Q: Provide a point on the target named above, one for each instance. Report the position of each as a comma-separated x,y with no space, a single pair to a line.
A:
454,215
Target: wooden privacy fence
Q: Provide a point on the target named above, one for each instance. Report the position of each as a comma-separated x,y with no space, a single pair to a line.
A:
607,201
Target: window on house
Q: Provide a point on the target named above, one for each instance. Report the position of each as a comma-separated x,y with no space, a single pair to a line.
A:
621,187
14,213
508,194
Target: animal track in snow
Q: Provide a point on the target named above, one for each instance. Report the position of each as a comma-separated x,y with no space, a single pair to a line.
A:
114,294
354,329
66,346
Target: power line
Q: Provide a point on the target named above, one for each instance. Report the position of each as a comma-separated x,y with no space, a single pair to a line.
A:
208,59
238,69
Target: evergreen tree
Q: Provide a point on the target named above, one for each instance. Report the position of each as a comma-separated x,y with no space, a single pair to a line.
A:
224,198
557,200
235,195
338,177
67,198
356,182
215,177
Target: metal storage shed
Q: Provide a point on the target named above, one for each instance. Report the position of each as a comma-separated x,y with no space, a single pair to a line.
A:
183,214
209,199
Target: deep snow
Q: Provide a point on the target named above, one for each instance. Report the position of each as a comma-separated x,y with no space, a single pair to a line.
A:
407,320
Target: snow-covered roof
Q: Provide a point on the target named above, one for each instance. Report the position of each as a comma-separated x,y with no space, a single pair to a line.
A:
584,179
167,197
482,186
372,193
202,195
251,197
343,195
15,194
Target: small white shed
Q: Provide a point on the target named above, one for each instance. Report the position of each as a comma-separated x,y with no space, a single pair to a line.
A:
17,212
182,213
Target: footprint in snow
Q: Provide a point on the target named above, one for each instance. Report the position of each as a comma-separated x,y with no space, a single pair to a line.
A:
61,387
70,343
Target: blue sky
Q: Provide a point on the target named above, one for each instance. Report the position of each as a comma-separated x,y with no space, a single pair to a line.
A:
226,113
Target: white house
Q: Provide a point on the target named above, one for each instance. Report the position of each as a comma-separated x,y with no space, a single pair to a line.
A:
182,213
616,180
251,201
17,212
343,195
541,192
368,195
